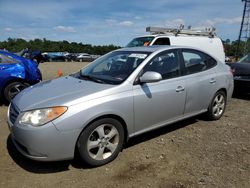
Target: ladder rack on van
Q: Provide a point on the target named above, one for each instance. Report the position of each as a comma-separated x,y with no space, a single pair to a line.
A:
181,31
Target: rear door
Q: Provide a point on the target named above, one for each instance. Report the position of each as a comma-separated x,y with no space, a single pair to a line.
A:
158,103
200,79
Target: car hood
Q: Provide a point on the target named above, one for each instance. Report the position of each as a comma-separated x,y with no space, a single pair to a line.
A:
60,91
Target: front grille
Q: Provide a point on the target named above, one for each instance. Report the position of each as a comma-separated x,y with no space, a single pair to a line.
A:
13,113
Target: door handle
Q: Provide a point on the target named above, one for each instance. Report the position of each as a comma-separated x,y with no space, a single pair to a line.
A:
212,81
180,88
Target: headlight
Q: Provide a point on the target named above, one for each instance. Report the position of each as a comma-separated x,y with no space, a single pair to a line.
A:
41,116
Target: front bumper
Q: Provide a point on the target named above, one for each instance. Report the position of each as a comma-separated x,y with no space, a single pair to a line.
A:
44,143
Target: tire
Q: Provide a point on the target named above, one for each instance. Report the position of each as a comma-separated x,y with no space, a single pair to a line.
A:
217,106
12,89
101,142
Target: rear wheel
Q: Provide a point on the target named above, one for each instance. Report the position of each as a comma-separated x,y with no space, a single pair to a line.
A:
217,106
101,142
12,89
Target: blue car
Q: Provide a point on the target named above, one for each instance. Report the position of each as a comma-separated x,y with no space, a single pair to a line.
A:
16,73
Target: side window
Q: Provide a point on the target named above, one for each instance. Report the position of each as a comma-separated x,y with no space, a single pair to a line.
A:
196,61
193,61
141,41
165,63
162,41
210,62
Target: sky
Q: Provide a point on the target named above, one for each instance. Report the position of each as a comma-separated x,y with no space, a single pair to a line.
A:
104,22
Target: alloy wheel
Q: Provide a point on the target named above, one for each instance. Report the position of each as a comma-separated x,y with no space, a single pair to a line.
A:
15,89
218,105
103,142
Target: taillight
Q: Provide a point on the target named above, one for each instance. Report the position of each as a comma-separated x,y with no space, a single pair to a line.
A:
232,70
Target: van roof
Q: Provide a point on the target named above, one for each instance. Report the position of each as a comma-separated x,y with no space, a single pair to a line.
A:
208,32
172,35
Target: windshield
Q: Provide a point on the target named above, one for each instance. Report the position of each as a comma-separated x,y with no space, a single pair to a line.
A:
141,41
6,59
245,59
113,68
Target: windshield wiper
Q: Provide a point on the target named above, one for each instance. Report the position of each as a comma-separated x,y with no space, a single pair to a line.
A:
92,78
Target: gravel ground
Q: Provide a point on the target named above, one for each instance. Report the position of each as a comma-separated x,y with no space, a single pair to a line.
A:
191,153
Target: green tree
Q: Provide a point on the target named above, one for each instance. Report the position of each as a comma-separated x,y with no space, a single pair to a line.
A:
44,45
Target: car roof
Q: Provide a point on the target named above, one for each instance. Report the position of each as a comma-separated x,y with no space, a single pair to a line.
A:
154,48
159,48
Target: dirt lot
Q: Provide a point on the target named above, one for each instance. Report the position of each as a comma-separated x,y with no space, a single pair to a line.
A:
192,153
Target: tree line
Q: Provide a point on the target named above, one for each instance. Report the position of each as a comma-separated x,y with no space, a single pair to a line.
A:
44,45
233,48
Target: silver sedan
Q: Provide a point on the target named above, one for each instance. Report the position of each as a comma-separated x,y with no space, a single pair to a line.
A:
121,94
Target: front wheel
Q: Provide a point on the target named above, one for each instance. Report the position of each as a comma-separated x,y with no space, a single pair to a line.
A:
12,89
217,106
101,142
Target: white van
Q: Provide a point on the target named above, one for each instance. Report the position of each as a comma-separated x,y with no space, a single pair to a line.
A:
204,40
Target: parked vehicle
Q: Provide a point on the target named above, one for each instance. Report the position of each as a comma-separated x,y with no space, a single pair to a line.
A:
54,56
71,57
205,40
16,73
84,57
35,55
64,56
122,94
241,70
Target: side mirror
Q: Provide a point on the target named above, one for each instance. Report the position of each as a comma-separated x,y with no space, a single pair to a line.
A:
150,76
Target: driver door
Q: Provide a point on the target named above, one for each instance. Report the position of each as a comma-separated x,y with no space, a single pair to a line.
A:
156,104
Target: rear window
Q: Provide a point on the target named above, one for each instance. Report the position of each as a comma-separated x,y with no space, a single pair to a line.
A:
140,41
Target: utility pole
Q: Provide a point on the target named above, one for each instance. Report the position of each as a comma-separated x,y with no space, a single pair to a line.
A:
244,34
